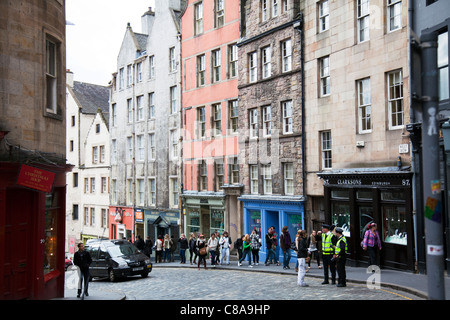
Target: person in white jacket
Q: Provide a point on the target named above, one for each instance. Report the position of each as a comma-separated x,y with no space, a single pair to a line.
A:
212,245
225,244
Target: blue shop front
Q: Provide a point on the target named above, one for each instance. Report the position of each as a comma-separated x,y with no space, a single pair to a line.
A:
262,212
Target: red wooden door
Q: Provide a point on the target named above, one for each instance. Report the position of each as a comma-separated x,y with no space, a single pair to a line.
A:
20,206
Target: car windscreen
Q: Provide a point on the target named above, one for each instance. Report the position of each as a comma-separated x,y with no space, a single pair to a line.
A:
122,250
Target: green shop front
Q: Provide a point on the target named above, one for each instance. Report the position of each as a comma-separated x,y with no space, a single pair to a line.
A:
355,198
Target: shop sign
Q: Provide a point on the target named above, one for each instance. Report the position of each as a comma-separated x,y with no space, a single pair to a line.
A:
138,215
36,179
378,181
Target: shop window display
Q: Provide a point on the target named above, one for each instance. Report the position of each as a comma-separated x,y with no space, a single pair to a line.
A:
217,221
394,225
51,215
341,217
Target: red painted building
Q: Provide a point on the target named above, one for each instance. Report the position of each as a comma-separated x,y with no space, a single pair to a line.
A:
210,32
32,149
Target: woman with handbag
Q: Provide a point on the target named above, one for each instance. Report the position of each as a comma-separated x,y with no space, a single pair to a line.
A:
202,252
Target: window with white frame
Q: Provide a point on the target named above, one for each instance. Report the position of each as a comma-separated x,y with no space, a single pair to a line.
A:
234,169
174,192
198,18
286,55
151,146
232,60
104,185
219,174
151,105
86,185
267,121
394,13
219,13
114,114
325,143
267,179
217,118
252,67
395,99
92,223
140,107
284,5
203,176
288,178
254,179
152,191
151,64
172,60
129,191
86,215
104,218
264,10
174,143
140,192
102,154
51,74
129,75
324,16
130,110
287,117
92,185
141,147
94,154
233,107
201,70
139,72
121,78
442,59
216,65
114,150
275,8
363,20
364,106
253,123
266,62
201,121
324,65
173,100
114,191
130,148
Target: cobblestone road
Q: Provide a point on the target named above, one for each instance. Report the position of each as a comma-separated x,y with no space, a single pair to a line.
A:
220,284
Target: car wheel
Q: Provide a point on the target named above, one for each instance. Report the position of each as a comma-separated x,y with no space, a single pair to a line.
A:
112,276
144,274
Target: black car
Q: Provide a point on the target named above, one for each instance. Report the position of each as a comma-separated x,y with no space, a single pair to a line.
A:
116,259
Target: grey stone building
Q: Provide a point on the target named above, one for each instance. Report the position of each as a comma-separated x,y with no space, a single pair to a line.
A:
270,116
144,127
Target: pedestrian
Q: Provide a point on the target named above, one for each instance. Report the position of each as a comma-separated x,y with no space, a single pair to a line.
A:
225,244
192,247
183,246
270,258
202,250
212,247
82,259
285,245
319,245
159,249
166,247
238,247
255,244
148,247
313,249
217,248
340,255
246,250
328,244
302,256
173,248
372,243
139,243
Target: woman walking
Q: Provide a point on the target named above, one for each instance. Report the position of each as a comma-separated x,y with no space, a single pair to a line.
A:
302,255
192,248
212,246
255,244
202,250
372,243
313,249
246,250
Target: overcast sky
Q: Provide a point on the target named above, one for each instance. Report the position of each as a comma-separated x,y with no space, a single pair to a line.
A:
93,42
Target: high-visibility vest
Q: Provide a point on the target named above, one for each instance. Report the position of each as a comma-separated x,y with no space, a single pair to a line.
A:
327,246
338,245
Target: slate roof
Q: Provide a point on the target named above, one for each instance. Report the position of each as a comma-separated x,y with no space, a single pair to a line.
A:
91,97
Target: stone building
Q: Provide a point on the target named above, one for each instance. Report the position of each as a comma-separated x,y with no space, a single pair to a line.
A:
271,116
356,112
210,117
144,127
88,149
32,149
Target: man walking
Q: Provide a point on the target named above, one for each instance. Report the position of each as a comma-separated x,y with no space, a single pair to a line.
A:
82,259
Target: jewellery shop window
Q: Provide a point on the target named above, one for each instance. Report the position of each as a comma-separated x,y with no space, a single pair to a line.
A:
394,218
217,221
193,221
51,219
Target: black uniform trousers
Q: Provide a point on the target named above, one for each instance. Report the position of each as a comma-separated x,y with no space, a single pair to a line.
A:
342,276
331,265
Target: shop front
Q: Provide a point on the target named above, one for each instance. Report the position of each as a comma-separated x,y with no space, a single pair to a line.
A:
263,212
120,222
159,223
356,198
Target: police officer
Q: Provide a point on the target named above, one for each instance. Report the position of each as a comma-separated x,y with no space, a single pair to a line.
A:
328,244
340,254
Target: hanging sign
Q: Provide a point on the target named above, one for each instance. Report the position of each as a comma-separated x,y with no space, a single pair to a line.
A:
35,178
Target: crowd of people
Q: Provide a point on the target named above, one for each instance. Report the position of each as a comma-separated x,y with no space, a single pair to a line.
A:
328,246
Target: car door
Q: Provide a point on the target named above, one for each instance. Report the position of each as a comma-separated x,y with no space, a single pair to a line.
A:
103,261
93,250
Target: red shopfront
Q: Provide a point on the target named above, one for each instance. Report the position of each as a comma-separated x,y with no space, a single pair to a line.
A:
32,232
120,222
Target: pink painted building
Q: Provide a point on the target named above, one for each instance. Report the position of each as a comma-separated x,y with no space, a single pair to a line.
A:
210,32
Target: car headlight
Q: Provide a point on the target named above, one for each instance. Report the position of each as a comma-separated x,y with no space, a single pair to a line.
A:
147,261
